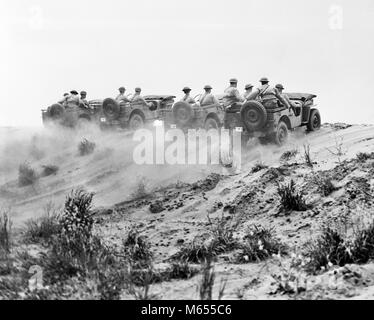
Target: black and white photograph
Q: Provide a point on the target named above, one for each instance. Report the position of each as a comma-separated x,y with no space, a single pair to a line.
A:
200,150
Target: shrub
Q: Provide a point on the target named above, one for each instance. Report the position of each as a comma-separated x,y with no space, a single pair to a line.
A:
86,147
363,156
77,218
43,228
363,245
290,198
329,248
49,170
324,185
26,175
207,282
259,244
140,189
137,250
258,167
5,233
288,155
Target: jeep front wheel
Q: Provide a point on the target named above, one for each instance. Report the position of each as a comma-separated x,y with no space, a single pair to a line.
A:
281,135
314,122
136,122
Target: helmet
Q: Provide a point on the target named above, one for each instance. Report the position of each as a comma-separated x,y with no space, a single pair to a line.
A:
264,79
233,80
186,89
207,87
74,92
138,89
83,93
279,86
122,89
248,86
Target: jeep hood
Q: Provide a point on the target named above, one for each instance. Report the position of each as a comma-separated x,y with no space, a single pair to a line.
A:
159,97
301,96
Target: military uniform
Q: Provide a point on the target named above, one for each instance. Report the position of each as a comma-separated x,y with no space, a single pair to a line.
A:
187,98
269,96
207,98
122,97
232,95
248,91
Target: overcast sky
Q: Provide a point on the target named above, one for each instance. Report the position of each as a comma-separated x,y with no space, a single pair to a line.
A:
50,47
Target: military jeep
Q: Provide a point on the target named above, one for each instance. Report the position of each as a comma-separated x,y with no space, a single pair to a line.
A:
186,116
272,122
133,115
71,115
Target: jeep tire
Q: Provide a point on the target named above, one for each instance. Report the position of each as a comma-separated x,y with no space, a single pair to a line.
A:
314,122
253,115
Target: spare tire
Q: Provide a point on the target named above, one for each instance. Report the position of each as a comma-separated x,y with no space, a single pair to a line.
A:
182,112
56,111
111,108
253,115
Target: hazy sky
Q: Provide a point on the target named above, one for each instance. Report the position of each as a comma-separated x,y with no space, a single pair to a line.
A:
50,47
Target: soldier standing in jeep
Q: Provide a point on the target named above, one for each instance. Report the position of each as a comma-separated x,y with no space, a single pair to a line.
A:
248,91
83,99
268,95
208,98
232,94
280,89
187,98
121,96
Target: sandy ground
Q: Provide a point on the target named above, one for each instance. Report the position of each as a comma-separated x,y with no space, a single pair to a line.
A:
190,194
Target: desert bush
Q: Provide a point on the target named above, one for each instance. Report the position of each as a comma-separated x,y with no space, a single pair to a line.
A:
26,175
86,147
329,248
324,184
49,170
259,244
362,248
137,250
290,198
5,233
77,218
258,167
179,270
288,155
140,189
43,228
364,156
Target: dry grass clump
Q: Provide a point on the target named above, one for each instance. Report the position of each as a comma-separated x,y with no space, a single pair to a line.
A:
140,189
258,167
290,198
364,156
49,170
86,147
331,248
259,244
288,155
324,184
307,157
5,233
26,175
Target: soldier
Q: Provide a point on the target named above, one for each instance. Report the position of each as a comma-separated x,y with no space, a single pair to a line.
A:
280,88
138,98
268,95
187,98
83,99
232,94
73,99
208,98
248,91
121,96
64,99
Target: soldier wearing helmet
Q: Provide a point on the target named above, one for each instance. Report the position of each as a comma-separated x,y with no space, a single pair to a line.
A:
83,99
232,94
207,98
268,95
187,96
137,97
248,91
121,97
280,89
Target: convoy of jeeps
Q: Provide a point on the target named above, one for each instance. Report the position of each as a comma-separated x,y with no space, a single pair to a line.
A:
254,118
